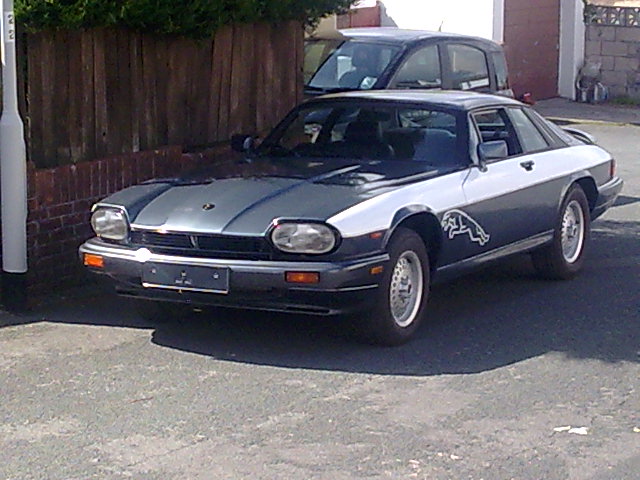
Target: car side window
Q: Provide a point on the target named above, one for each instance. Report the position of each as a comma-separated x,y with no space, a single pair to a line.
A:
469,68
530,137
420,70
494,125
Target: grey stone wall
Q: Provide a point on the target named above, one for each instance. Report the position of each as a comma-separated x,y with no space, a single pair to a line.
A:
617,49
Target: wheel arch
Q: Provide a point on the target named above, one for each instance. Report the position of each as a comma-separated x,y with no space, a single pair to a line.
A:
425,223
588,185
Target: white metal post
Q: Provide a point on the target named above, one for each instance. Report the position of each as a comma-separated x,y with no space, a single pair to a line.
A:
13,170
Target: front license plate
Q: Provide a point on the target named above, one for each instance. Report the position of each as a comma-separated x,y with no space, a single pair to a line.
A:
185,277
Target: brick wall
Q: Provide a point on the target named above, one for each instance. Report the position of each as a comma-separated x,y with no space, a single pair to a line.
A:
532,39
617,50
360,17
60,200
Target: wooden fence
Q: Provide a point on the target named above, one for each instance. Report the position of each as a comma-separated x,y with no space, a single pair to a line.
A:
104,92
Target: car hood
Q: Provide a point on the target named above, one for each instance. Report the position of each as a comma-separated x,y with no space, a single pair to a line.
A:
244,198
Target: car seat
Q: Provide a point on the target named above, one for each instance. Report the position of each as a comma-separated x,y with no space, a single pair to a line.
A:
363,138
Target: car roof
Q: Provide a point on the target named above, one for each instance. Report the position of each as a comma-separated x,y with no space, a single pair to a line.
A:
401,36
454,99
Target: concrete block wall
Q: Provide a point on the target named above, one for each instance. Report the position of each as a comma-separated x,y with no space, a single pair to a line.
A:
617,49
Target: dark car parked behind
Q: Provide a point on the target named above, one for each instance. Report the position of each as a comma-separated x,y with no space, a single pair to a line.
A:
391,58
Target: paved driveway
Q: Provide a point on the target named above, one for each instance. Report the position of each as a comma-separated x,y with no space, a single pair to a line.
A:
514,378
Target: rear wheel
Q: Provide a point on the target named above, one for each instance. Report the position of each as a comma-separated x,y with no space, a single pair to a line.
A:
564,257
402,295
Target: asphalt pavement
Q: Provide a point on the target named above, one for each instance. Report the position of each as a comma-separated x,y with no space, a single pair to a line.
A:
513,378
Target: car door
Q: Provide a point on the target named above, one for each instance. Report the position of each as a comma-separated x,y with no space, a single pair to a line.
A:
421,69
513,199
467,67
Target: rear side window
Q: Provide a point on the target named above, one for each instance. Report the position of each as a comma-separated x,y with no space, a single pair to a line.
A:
420,70
495,125
469,68
530,137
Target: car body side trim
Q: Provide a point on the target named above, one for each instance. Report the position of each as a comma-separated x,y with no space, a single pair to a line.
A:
441,193
521,246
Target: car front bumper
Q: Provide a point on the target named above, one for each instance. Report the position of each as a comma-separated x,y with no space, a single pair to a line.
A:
343,287
607,195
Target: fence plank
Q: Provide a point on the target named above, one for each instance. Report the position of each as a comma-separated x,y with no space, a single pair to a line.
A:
150,133
100,93
200,83
75,98
88,123
47,80
136,85
36,102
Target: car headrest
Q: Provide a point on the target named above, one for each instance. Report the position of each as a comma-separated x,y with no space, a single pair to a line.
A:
363,131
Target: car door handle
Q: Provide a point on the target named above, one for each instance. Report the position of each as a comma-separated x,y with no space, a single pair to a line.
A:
528,165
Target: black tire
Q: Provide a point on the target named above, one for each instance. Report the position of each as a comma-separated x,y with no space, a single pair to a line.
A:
563,258
161,312
391,321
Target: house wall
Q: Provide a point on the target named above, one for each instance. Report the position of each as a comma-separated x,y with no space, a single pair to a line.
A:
572,31
613,42
532,38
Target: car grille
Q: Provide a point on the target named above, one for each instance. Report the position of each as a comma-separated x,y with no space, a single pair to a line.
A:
212,246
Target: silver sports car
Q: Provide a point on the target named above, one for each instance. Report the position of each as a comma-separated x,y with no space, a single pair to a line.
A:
354,205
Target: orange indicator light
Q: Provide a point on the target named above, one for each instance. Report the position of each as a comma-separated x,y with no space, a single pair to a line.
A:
95,261
302,277
376,270
375,235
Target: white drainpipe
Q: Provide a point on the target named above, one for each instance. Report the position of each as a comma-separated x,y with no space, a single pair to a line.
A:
13,173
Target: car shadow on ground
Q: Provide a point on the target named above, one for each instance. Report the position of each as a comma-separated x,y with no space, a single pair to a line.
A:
490,319
623,200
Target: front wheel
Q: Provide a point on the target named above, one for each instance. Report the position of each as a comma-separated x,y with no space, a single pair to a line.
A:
402,295
563,258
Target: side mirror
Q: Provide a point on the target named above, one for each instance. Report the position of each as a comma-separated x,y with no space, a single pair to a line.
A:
242,143
493,150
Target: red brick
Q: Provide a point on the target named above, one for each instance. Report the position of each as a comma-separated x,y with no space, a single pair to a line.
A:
73,219
50,224
45,187
62,176
60,210
83,206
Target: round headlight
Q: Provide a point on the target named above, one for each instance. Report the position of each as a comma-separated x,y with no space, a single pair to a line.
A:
110,223
310,238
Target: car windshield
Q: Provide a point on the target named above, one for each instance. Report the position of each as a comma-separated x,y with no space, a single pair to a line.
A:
369,132
335,64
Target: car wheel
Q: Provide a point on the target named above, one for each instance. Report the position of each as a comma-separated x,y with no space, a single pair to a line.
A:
563,258
161,312
402,294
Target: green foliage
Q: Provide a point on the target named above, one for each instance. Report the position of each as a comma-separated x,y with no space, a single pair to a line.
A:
589,12
626,101
191,18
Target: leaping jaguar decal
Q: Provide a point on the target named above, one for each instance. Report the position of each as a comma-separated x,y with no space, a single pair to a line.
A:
456,222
